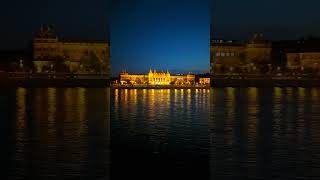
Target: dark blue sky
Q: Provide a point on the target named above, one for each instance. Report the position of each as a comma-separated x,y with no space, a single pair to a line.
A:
162,34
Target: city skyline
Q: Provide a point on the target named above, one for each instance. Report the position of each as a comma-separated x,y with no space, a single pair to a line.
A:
160,89
159,34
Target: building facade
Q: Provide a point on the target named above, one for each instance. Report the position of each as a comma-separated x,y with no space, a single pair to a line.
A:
204,81
53,54
232,56
156,78
303,60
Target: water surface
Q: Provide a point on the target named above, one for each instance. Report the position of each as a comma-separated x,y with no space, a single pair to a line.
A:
56,133
221,133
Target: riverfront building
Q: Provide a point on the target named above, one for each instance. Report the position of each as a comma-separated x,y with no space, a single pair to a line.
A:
233,56
303,60
156,78
51,53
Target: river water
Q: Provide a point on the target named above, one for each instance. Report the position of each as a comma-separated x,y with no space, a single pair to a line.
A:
219,133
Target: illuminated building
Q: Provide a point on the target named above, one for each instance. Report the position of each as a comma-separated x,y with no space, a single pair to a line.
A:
303,60
53,54
232,56
204,81
156,78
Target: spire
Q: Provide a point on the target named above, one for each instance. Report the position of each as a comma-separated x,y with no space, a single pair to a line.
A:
150,72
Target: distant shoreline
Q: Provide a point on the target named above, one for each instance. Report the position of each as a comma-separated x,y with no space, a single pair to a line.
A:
35,83
219,82
159,87
265,82
102,83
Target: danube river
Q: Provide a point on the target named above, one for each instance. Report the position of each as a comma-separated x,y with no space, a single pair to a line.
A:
220,133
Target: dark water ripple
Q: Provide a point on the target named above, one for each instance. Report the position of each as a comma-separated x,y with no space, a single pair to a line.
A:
56,133
227,133
265,133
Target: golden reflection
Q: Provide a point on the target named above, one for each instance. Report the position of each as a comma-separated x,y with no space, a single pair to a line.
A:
277,114
252,93
116,92
253,104
168,99
152,105
175,95
197,96
253,108
315,92
277,92
126,96
189,101
230,117
301,124
181,95
231,94
302,92
21,108
20,122
116,100
52,101
134,96
82,109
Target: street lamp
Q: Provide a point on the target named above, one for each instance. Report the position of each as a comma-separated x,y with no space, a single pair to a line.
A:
21,63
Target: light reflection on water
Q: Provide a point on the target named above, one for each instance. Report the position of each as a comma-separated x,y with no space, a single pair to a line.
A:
221,133
264,133
162,132
59,133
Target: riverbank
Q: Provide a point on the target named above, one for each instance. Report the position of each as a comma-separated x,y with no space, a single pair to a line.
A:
94,83
159,87
264,82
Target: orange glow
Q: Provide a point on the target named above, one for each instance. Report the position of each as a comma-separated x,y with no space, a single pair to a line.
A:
155,78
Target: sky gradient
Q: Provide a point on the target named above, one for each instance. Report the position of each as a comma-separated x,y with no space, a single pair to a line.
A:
159,34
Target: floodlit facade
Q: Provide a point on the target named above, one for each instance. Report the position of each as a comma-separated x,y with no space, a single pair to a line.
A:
156,78
204,81
51,53
303,60
230,56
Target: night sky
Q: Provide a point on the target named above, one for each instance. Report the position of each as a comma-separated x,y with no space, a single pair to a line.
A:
161,34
